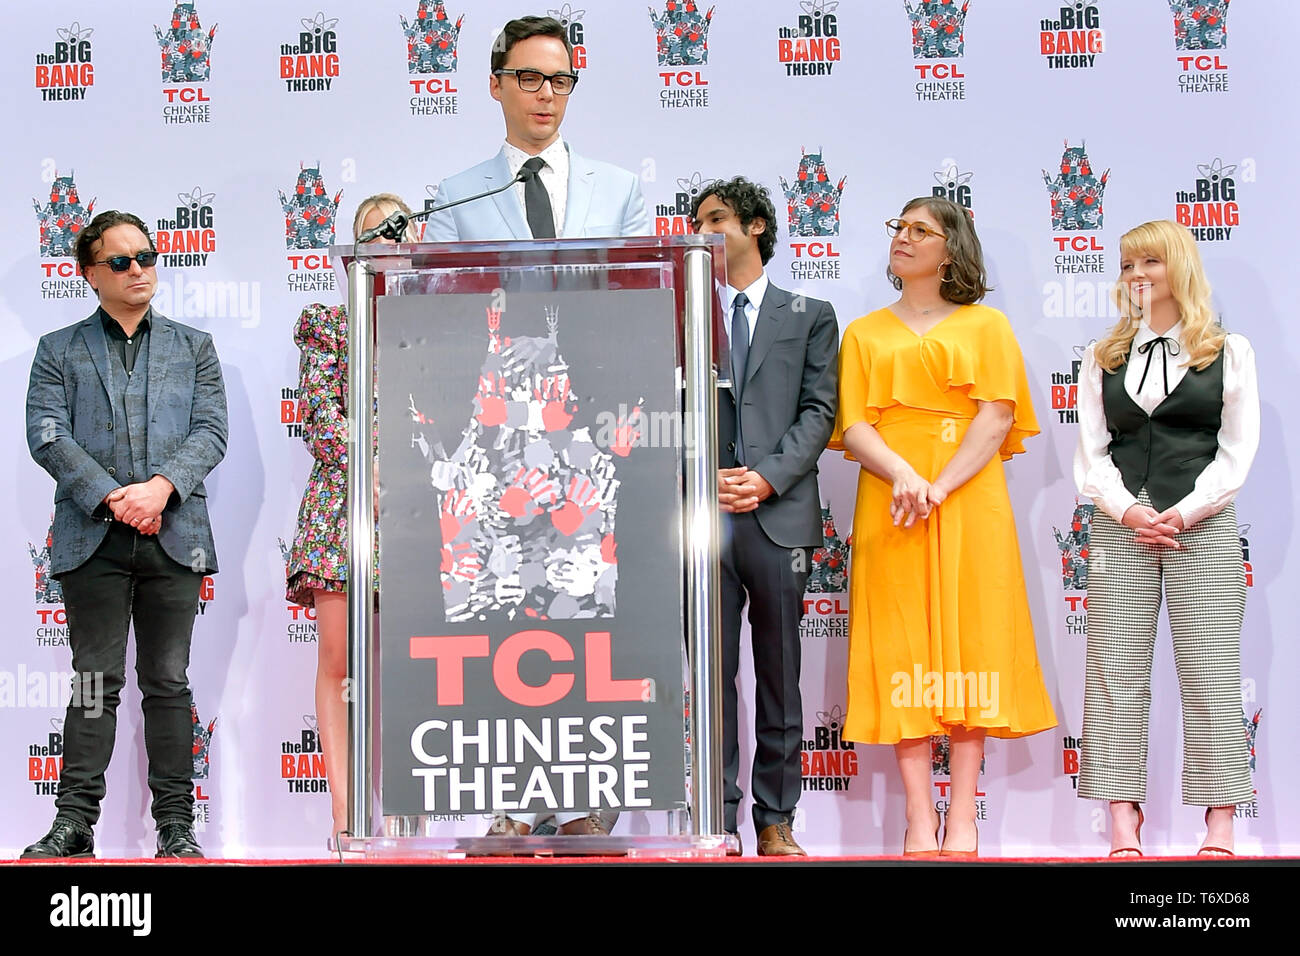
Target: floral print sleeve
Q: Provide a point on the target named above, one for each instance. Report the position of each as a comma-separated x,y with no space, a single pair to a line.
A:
321,337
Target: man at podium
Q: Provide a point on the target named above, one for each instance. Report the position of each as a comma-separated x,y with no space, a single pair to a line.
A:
560,194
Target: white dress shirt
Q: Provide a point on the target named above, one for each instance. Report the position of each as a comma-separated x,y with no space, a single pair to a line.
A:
754,292
1096,475
554,176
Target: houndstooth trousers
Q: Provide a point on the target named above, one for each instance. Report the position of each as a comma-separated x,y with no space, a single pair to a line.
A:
1205,587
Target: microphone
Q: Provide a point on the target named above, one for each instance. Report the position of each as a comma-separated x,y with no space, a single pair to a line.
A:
395,225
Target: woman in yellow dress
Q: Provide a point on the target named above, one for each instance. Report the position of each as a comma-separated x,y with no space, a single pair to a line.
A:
933,398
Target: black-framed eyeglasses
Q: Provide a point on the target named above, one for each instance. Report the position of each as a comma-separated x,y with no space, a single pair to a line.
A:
916,232
530,81
122,263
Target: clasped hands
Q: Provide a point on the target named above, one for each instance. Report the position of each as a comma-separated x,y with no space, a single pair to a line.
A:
1154,527
913,497
741,490
141,505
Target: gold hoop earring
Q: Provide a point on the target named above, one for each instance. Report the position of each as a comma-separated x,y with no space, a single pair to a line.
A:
942,277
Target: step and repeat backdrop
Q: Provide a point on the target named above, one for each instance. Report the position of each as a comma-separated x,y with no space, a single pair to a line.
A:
246,133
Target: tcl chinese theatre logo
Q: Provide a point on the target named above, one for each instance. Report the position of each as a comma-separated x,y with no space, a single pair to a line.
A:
186,62
432,55
1077,196
51,616
682,46
1200,37
309,213
938,42
813,210
59,218
1072,546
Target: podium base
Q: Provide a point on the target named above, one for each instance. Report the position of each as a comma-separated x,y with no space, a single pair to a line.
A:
639,847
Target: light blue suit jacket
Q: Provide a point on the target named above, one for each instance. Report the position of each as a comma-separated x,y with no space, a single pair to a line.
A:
70,410
603,201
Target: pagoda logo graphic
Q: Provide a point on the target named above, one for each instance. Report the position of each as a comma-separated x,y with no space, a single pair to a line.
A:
1076,191
812,202
527,502
62,217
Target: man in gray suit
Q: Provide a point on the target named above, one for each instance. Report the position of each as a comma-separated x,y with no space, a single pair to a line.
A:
773,424
566,195
127,412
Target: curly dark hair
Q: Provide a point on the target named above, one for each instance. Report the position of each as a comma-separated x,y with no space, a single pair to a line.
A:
94,232
965,281
522,29
749,201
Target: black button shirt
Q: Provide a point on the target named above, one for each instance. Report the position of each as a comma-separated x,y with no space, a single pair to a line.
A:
126,348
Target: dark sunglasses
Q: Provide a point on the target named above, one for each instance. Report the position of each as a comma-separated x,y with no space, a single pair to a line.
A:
122,263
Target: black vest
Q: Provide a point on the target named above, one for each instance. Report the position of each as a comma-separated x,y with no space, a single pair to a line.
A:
131,417
1167,450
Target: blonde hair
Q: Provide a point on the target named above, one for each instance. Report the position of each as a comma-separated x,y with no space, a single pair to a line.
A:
387,204
1173,245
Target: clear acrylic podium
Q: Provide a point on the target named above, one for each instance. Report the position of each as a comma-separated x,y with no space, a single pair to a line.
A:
546,417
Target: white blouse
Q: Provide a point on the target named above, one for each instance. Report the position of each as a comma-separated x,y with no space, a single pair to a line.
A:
1096,475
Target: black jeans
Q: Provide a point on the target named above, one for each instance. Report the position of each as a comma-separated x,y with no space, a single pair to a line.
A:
129,579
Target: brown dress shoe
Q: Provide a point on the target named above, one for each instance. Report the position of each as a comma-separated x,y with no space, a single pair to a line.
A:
777,840
593,824
506,826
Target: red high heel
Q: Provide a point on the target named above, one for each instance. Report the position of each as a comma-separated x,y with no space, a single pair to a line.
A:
963,854
1210,849
1132,850
924,854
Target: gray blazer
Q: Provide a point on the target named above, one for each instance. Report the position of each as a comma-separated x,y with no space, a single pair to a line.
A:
788,411
69,409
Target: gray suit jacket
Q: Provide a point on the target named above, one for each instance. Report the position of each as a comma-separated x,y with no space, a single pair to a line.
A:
69,413
787,412
603,201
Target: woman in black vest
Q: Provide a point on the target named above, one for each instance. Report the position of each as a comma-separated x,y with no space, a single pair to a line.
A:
1169,424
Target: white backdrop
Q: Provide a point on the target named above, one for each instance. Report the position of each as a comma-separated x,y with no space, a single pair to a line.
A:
1217,125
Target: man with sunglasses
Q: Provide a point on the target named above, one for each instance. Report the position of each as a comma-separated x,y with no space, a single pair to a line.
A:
565,195
127,412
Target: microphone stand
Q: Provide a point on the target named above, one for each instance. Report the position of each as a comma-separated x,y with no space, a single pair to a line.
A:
395,225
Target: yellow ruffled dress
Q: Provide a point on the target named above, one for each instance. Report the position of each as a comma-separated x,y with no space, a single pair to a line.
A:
939,629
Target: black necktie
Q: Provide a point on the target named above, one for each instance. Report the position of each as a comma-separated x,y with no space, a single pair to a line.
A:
1168,347
739,356
739,341
537,204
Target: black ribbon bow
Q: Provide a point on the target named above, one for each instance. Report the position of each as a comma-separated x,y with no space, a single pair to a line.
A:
1168,347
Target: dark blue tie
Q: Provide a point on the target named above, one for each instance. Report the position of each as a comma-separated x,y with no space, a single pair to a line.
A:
739,356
